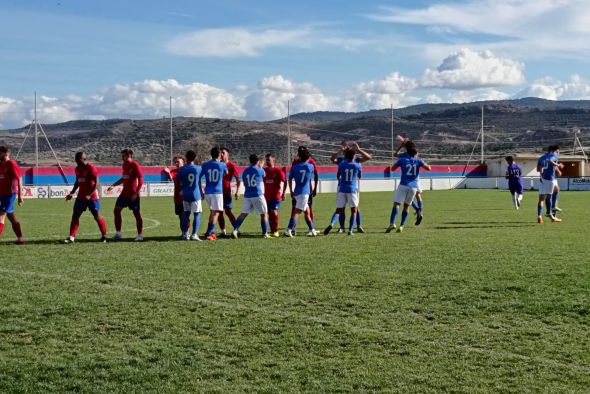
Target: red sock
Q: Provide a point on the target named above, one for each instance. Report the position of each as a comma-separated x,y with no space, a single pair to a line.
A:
221,221
311,213
138,221
102,226
74,224
1,228
118,220
273,221
17,230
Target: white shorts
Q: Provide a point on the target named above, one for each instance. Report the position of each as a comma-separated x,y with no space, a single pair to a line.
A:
404,194
255,204
301,202
192,206
344,199
215,201
546,187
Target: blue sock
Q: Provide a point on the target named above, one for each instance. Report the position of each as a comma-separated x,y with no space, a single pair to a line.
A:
196,222
351,222
554,199
309,223
185,221
358,218
342,220
264,224
239,222
404,217
539,209
335,218
394,212
415,205
419,203
210,229
292,224
548,203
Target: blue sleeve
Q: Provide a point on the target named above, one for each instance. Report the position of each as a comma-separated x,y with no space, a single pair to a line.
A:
291,171
397,163
421,162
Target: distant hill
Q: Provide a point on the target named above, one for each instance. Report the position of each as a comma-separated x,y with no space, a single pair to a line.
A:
443,131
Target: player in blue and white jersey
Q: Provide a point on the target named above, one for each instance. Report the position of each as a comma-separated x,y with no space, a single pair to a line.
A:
337,158
254,201
549,167
213,172
417,202
410,178
350,174
188,177
514,176
301,174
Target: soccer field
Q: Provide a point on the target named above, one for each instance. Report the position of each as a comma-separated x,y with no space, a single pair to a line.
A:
478,298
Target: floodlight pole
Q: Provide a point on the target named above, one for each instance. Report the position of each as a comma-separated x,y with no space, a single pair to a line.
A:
289,132
392,139
482,152
171,136
36,137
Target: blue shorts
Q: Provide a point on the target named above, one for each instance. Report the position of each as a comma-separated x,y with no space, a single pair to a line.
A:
123,202
178,209
227,200
7,203
83,204
273,205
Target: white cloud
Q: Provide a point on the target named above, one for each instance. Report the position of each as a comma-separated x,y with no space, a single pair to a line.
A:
462,96
467,69
526,29
577,88
392,90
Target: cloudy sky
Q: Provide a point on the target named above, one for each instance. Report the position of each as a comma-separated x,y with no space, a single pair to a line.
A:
245,59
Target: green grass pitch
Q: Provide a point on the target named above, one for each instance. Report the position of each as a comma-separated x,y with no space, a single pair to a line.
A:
479,298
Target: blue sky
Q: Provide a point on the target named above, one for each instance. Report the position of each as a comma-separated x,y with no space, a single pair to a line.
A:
245,59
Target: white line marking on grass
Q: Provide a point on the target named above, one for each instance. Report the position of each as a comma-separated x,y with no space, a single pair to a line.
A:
286,314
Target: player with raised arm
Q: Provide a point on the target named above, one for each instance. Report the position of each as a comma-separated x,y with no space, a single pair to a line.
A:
232,172
301,174
188,178
172,173
132,181
86,184
514,176
213,172
410,166
274,177
254,200
549,167
11,190
337,158
417,202
350,174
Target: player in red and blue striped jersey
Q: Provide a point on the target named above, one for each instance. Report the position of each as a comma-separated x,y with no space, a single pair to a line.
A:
86,184
11,191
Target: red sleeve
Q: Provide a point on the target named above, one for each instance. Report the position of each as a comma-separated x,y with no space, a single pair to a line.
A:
139,174
314,164
234,170
283,175
94,172
15,169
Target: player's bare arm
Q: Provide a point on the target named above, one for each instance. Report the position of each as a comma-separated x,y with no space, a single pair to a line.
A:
73,191
117,183
365,156
316,180
20,191
238,184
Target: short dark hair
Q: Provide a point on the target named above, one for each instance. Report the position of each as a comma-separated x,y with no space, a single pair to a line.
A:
215,151
78,156
4,149
190,155
127,151
412,151
509,158
555,147
223,148
409,144
179,157
349,154
269,155
303,153
254,158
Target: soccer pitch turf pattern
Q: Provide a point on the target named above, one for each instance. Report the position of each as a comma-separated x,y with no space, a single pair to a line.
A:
478,298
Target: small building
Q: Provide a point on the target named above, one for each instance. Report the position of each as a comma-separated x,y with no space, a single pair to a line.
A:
574,166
